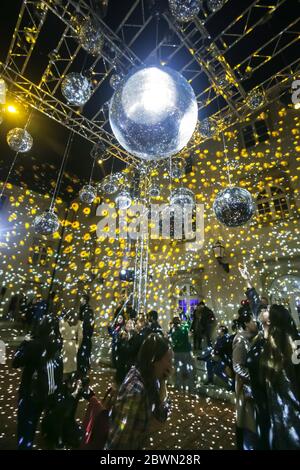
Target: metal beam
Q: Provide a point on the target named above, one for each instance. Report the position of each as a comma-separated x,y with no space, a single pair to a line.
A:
47,104
29,24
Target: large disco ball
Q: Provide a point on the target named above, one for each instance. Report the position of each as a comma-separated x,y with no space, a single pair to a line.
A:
255,99
184,10
182,197
19,140
90,37
153,114
87,194
76,88
215,5
46,223
234,207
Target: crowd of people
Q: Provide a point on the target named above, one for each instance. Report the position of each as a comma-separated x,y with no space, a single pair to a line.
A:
256,361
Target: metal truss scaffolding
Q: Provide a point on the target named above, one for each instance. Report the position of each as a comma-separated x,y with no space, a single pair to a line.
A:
208,60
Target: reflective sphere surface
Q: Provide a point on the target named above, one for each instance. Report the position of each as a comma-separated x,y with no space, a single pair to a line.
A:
182,197
123,200
153,114
76,88
87,194
116,80
255,99
184,10
208,128
215,5
46,223
19,140
90,37
234,207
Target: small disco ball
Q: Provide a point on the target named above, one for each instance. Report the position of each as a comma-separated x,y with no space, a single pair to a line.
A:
99,152
87,194
46,223
90,37
184,10
208,128
255,99
233,207
111,183
177,167
115,80
76,88
154,191
215,5
123,200
182,197
19,140
153,113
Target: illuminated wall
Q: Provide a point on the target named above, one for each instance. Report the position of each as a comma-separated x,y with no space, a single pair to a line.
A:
268,244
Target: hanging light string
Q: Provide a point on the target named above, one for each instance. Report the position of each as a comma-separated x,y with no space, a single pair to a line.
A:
225,152
62,167
14,159
226,159
92,171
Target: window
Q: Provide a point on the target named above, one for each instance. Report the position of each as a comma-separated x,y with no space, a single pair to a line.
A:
255,133
272,203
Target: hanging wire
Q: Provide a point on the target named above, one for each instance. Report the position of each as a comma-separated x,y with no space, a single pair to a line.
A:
226,159
225,152
92,171
62,167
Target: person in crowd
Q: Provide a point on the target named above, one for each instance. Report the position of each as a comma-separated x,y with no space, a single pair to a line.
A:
114,331
183,359
208,323
71,333
246,428
40,388
152,325
196,328
38,310
126,349
142,396
256,303
13,307
86,315
219,359
275,381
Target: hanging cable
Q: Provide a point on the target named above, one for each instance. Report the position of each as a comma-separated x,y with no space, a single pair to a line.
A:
62,167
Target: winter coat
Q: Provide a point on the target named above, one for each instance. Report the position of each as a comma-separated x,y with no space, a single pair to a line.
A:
244,403
276,402
42,369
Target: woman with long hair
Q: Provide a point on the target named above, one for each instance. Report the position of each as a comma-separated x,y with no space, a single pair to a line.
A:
142,396
275,379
